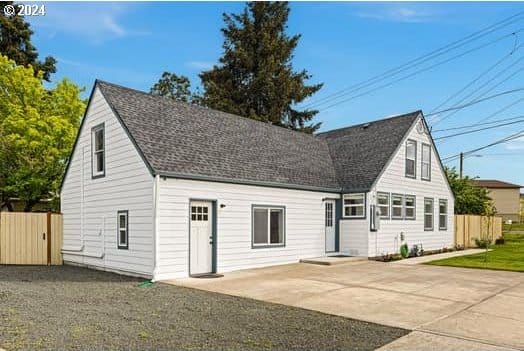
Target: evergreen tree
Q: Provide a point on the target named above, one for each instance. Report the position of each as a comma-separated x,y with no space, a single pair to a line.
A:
255,77
15,43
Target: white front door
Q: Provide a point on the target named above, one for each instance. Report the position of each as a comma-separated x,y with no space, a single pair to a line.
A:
201,238
330,225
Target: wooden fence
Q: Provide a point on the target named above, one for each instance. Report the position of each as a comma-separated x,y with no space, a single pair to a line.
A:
30,238
470,227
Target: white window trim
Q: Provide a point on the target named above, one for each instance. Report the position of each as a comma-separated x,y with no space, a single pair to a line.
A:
120,244
445,214
94,152
363,205
414,207
414,176
269,209
388,205
396,206
432,228
428,178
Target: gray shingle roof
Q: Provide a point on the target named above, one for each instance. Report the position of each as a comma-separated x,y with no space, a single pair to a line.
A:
184,140
360,152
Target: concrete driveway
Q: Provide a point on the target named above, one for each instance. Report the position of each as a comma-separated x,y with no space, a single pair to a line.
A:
446,308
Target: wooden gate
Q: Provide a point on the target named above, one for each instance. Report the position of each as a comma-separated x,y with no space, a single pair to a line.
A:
471,227
30,238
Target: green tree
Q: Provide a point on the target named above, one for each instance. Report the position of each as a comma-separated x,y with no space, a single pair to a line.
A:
469,199
37,130
255,77
173,86
15,43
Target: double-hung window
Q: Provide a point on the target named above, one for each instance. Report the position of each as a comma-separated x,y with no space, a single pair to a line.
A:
98,151
443,214
428,213
354,205
426,162
410,209
396,206
383,204
411,158
268,226
123,229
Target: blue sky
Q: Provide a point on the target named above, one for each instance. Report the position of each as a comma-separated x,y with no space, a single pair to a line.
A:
342,44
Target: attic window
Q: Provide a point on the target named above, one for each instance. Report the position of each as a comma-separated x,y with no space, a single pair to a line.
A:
411,159
98,151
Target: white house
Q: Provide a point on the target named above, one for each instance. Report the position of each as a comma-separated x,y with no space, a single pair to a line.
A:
165,189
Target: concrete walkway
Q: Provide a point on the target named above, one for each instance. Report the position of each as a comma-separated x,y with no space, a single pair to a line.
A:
446,308
429,258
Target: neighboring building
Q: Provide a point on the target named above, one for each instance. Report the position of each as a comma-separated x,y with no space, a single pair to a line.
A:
165,189
521,208
505,196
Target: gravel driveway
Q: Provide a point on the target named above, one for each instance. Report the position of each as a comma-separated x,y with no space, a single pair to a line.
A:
70,308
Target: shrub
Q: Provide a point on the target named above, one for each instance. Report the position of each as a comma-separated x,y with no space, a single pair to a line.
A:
499,241
404,250
482,243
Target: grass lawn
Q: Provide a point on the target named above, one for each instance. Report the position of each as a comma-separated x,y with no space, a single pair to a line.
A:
508,257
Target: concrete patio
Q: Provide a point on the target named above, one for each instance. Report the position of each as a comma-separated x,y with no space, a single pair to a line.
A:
446,308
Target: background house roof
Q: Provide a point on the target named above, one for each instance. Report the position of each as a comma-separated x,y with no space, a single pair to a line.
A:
361,152
493,183
184,140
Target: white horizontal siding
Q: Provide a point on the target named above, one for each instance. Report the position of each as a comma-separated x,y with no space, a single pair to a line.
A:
90,205
304,225
393,180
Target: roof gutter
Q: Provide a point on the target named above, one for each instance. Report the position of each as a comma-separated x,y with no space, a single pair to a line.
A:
247,182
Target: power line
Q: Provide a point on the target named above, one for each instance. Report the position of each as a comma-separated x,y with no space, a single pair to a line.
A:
474,102
476,124
500,141
505,79
451,97
478,130
418,71
421,59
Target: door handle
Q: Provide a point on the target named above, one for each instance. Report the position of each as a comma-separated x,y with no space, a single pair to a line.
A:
43,236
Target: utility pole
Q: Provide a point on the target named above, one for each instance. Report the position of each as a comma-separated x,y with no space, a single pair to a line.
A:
461,164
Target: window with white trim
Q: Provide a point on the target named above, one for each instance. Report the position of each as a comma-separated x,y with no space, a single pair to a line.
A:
123,229
396,206
268,226
98,151
443,214
411,158
383,204
410,210
354,205
428,213
425,172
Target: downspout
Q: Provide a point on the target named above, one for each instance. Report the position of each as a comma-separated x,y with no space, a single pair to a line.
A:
156,183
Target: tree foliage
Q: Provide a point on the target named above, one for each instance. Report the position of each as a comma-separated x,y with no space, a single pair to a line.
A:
175,87
15,43
37,130
255,77
469,199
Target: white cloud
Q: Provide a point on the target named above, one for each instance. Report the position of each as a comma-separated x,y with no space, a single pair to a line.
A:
516,144
96,22
200,65
398,14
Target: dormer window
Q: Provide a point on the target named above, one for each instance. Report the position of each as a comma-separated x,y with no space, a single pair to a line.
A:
411,159
98,151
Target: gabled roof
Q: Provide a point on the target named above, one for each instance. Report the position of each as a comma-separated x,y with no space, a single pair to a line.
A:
184,140
361,152
181,140
492,183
